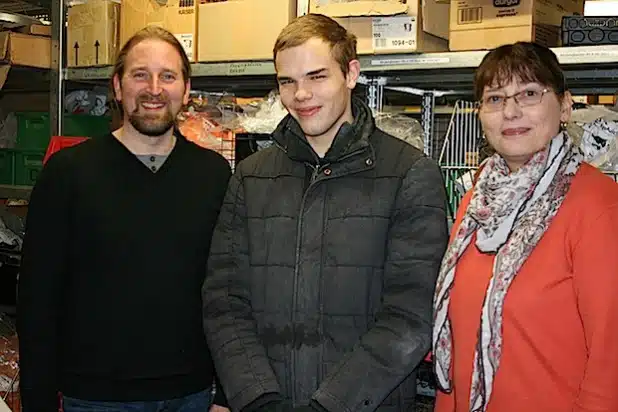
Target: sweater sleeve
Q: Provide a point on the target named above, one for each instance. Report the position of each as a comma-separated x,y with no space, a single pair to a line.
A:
388,352
595,272
40,286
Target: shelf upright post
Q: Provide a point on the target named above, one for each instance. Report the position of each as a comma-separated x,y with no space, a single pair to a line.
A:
56,90
380,82
375,92
371,93
427,119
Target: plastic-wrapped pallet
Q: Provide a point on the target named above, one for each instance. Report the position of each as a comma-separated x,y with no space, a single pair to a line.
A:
403,127
595,129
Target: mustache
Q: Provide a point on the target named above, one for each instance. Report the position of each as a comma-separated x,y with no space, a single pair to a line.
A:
149,98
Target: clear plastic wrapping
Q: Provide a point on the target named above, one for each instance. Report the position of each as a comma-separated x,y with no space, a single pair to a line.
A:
92,102
209,121
595,129
402,127
263,116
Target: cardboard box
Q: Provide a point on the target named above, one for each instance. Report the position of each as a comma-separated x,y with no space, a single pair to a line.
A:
390,26
611,100
36,29
92,33
487,24
242,29
4,74
177,16
25,50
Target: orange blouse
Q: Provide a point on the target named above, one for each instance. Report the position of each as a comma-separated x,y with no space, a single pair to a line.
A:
560,327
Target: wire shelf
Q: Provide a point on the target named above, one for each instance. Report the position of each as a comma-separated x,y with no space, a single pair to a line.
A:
459,156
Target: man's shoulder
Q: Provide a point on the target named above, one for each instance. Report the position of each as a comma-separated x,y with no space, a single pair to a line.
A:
204,156
399,154
68,163
73,155
264,162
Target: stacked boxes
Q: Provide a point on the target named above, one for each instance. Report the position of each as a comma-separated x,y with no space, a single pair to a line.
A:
486,24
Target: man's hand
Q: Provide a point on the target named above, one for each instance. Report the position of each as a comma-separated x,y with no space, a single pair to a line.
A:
217,408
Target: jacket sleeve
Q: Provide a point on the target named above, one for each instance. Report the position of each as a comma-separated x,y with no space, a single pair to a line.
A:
595,277
40,286
240,358
401,336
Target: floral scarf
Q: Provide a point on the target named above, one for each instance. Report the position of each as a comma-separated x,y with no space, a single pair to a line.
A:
509,213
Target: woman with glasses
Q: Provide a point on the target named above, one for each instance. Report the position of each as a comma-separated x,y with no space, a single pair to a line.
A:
526,305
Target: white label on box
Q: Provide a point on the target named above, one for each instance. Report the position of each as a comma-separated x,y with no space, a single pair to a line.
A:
302,7
606,8
186,39
398,32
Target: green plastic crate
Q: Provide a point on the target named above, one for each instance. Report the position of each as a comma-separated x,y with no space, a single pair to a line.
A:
84,125
33,131
28,165
7,166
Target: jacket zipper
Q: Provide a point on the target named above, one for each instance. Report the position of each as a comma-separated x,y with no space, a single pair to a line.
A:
314,176
312,180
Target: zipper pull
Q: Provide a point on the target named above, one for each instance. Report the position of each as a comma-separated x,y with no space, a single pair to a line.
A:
316,171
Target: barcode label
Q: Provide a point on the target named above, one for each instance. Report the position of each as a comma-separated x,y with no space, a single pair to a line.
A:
471,15
394,33
379,43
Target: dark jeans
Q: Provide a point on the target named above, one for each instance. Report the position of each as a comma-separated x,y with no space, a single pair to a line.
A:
198,402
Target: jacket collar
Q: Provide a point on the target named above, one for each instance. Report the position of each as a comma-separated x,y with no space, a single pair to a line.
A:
349,139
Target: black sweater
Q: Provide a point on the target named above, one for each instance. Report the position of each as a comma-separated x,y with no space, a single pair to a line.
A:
114,258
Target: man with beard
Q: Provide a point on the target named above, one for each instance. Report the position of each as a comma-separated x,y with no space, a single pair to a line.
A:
325,256
115,251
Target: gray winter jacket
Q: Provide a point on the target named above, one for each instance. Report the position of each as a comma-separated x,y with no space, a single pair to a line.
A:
322,272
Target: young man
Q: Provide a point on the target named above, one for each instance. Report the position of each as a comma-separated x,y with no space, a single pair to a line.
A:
115,252
325,256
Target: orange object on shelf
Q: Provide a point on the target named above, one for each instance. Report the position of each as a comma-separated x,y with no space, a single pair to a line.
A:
60,142
204,131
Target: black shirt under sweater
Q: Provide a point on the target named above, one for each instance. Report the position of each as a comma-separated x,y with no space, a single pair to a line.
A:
113,262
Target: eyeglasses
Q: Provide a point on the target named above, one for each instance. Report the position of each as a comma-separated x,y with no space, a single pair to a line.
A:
524,98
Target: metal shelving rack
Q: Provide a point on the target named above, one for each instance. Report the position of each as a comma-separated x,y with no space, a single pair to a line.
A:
426,76
423,78
589,70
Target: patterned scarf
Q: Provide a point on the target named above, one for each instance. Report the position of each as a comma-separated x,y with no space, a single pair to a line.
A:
509,213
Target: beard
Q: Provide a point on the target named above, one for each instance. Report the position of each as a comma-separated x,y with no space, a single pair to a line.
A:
148,124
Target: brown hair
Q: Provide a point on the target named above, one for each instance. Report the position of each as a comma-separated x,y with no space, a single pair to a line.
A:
526,61
147,33
342,43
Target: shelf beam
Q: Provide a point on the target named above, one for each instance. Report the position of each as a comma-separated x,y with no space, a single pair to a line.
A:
15,192
375,63
250,68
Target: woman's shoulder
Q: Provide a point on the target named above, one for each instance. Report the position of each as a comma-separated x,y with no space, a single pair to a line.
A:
592,197
593,188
